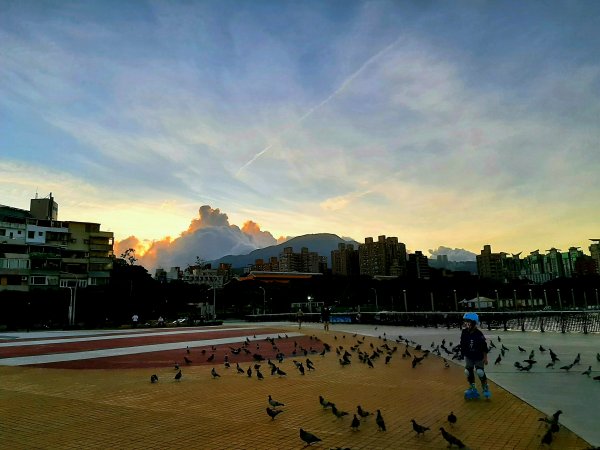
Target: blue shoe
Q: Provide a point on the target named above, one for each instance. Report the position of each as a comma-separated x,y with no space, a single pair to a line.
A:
471,393
486,391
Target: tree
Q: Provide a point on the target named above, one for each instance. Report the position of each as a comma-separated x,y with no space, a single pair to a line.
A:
129,256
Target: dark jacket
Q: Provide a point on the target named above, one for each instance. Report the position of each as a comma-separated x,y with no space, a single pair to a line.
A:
473,345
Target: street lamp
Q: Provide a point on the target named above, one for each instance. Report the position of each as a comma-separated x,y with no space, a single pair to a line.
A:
559,299
405,304
310,299
264,299
497,299
515,298
455,301
530,298
573,298
376,304
432,305
545,298
597,304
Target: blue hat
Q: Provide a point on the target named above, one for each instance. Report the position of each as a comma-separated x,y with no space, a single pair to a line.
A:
471,316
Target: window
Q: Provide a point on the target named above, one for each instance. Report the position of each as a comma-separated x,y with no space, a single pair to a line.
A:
37,280
2,232
31,234
40,233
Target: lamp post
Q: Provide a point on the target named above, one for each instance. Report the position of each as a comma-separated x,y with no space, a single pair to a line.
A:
214,287
432,304
497,298
573,298
405,304
559,299
310,299
597,304
376,304
515,299
264,299
530,297
455,301
545,298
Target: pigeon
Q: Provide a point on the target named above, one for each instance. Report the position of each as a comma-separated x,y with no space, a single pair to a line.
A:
187,360
324,403
451,418
553,355
567,367
542,349
249,372
552,421
280,372
587,372
420,429
274,403
577,359
361,412
498,359
598,357
550,365
273,412
176,366
259,375
214,373
337,413
153,378
309,364
239,369
597,378
211,358
355,423
178,375
452,440
309,438
521,349
416,360
187,349
379,421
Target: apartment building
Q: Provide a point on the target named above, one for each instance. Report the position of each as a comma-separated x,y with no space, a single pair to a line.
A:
37,251
595,252
344,260
386,257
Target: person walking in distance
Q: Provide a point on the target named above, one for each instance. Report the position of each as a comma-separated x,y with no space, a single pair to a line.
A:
473,346
300,316
325,317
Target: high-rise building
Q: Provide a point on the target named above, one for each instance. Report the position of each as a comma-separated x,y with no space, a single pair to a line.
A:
385,257
489,265
344,260
595,252
418,266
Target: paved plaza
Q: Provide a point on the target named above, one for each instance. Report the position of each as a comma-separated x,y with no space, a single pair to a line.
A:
92,389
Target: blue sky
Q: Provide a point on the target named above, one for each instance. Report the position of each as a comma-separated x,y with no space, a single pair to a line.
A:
443,123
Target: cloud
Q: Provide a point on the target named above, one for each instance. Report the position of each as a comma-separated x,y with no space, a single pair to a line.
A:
454,254
208,237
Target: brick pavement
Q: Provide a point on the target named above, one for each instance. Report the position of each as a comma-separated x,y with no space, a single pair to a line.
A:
44,408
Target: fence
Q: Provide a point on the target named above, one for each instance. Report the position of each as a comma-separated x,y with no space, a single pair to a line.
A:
542,321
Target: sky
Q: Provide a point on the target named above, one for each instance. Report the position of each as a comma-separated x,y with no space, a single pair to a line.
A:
445,124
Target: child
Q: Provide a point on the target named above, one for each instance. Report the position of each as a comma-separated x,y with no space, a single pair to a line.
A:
473,346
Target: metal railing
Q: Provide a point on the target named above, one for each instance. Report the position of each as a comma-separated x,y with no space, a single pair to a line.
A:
542,321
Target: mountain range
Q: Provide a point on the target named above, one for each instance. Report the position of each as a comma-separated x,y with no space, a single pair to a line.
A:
322,243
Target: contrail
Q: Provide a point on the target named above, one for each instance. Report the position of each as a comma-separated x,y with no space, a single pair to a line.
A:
343,86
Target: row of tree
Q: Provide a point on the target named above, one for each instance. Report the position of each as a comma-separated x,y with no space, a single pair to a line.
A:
132,290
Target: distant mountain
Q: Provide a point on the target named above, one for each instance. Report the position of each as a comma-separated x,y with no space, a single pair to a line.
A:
322,243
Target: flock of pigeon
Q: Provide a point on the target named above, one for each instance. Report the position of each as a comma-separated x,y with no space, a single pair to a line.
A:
302,363
530,361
